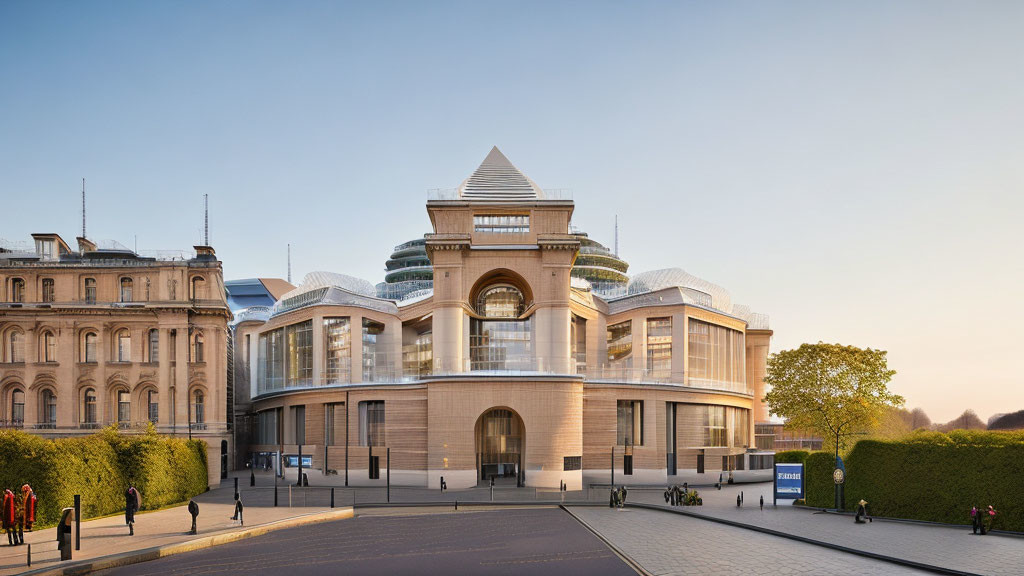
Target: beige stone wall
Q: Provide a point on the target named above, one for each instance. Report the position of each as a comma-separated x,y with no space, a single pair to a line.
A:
162,299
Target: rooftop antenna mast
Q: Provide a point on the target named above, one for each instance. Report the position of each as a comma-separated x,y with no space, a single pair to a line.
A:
289,263
206,219
83,207
616,235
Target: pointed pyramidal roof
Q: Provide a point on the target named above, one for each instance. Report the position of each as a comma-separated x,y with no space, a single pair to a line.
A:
498,180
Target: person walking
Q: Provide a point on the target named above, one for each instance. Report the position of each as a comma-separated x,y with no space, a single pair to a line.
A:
132,502
193,510
27,514
975,519
7,515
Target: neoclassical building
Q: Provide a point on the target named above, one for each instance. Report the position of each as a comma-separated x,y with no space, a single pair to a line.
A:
101,335
505,344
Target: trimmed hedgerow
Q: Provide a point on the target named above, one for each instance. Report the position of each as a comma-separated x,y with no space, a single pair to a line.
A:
930,476
99,467
791,456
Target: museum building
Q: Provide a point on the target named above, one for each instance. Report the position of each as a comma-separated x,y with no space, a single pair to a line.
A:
505,345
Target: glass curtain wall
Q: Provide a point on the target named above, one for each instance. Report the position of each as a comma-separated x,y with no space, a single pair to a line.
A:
271,361
629,423
374,360
501,341
579,343
337,351
299,358
659,348
418,355
371,423
712,426
717,356
620,346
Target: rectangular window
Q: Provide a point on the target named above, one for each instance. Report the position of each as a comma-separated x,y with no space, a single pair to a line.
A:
338,351
49,293
717,356
90,290
659,348
124,407
579,343
572,463
507,224
630,423
715,432
374,363
299,338
299,416
418,355
371,423
740,427
126,290
620,343
266,427
270,364
501,345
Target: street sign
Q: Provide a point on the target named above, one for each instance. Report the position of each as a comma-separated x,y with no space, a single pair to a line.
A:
789,481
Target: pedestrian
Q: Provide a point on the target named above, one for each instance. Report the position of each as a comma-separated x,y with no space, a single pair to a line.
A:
8,514
132,503
238,510
739,502
975,519
862,512
762,502
193,510
28,512
988,520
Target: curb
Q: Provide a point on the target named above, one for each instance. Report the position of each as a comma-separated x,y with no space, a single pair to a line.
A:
837,547
618,552
1010,533
156,552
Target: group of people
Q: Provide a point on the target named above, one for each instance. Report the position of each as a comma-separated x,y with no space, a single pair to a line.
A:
982,520
18,513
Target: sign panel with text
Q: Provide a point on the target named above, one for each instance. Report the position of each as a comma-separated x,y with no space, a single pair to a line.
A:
789,481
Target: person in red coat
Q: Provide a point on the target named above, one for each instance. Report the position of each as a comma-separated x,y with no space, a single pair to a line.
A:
7,514
27,514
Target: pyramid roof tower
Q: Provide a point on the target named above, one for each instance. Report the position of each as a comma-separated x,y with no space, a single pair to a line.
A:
498,180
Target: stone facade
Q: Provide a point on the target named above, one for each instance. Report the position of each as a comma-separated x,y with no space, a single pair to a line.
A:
94,337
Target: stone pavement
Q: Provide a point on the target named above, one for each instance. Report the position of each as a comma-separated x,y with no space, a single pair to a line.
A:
671,544
107,536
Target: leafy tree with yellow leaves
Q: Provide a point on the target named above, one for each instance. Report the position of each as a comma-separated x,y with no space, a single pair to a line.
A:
835,390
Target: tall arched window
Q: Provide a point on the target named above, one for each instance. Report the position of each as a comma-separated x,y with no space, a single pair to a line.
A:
49,294
198,407
126,289
17,408
48,347
500,340
124,346
89,347
153,406
154,346
197,347
89,415
16,346
124,407
48,406
17,290
90,290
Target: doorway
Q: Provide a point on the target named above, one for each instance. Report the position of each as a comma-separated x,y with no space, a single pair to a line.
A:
499,447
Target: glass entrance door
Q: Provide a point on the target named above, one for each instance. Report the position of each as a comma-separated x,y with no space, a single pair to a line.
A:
499,445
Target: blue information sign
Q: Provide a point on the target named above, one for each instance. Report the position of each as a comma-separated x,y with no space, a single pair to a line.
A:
292,461
789,481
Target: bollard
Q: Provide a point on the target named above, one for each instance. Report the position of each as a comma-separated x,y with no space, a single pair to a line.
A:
289,495
236,487
275,491
252,477
29,555
332,497
456,505
78,522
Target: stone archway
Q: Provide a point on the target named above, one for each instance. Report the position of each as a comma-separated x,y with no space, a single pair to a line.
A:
500,446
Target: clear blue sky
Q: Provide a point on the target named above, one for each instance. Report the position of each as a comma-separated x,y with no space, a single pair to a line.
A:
852,169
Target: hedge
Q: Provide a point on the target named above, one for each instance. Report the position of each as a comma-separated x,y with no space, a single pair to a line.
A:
99,467
791,456
929,476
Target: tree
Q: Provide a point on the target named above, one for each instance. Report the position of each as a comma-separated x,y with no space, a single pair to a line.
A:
919,419
969,420
835,390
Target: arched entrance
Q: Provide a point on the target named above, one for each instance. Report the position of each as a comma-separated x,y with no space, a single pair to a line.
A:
500,446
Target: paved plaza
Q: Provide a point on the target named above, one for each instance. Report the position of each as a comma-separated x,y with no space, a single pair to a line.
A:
521,541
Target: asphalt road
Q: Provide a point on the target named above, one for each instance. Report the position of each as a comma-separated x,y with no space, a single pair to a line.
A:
545,541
